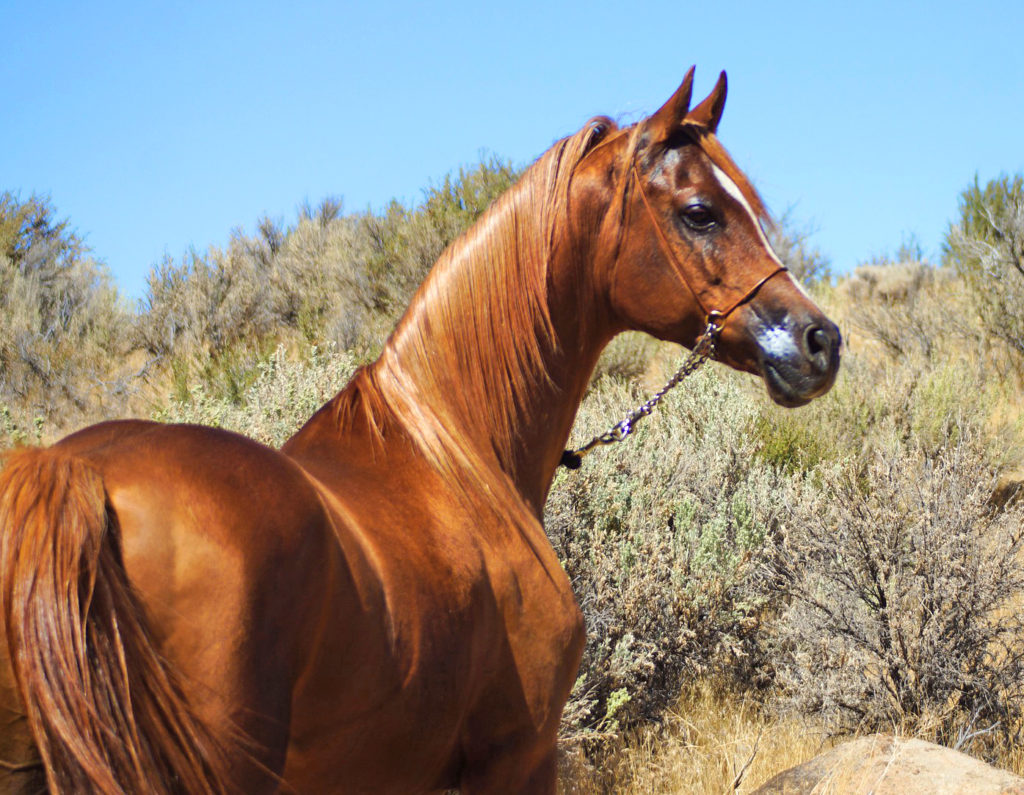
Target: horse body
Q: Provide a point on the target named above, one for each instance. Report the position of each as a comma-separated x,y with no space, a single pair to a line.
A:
376,607
344,667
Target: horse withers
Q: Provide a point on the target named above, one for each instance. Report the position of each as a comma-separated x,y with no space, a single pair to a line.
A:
375,606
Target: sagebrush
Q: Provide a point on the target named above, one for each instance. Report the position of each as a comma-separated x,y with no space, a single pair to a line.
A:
851,564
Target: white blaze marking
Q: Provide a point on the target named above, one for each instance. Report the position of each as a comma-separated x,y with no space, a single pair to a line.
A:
733,190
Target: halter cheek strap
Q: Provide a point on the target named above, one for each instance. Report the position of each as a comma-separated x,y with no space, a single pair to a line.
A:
711,315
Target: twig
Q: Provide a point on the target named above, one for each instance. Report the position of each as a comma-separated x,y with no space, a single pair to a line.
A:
962,741
739,776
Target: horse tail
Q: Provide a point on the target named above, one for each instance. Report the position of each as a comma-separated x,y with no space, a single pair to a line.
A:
105,709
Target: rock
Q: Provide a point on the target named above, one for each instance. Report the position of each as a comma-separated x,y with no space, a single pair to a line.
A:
886,765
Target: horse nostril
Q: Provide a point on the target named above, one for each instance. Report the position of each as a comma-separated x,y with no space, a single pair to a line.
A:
818,346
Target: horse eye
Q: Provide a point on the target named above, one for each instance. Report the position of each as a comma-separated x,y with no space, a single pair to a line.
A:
698,217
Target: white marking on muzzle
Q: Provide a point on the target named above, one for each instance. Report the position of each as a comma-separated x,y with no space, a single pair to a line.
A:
778,344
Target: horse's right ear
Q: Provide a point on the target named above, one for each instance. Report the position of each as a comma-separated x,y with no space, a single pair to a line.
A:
669,116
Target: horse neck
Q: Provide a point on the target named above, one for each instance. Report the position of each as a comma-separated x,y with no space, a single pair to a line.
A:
487,368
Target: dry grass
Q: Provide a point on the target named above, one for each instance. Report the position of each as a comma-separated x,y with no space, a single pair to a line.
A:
711,741
716,741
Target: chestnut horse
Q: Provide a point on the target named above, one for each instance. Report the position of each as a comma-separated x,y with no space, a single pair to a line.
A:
376,607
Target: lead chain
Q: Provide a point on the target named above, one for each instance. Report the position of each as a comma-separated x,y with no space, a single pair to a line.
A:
703,350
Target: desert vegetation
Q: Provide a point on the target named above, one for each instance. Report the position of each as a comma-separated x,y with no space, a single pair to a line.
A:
756,582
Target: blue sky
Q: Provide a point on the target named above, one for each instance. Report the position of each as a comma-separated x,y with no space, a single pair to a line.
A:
159,126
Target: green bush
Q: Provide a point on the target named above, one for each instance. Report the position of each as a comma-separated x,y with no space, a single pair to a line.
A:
63,327
986,247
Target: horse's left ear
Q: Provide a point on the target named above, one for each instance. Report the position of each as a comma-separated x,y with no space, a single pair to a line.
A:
670,115
709,112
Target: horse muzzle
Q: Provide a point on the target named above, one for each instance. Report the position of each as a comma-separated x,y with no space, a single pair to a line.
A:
798,358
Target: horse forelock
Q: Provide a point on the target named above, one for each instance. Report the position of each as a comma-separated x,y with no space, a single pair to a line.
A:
474,341
635,141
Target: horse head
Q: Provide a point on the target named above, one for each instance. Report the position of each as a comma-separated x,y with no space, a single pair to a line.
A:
683,244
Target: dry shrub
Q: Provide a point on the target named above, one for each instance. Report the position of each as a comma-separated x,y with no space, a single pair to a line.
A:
878,405
260,285
334,277
888,282
897,306
283,396
905,589
793,246
627,357
986,248
662,538
63,327
915,367
920,318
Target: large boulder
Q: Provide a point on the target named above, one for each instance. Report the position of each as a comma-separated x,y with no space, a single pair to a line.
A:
886,765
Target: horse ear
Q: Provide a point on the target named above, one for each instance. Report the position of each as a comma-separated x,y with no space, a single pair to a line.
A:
670,115
709,112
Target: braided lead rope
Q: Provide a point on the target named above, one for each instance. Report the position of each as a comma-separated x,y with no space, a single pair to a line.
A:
703,349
